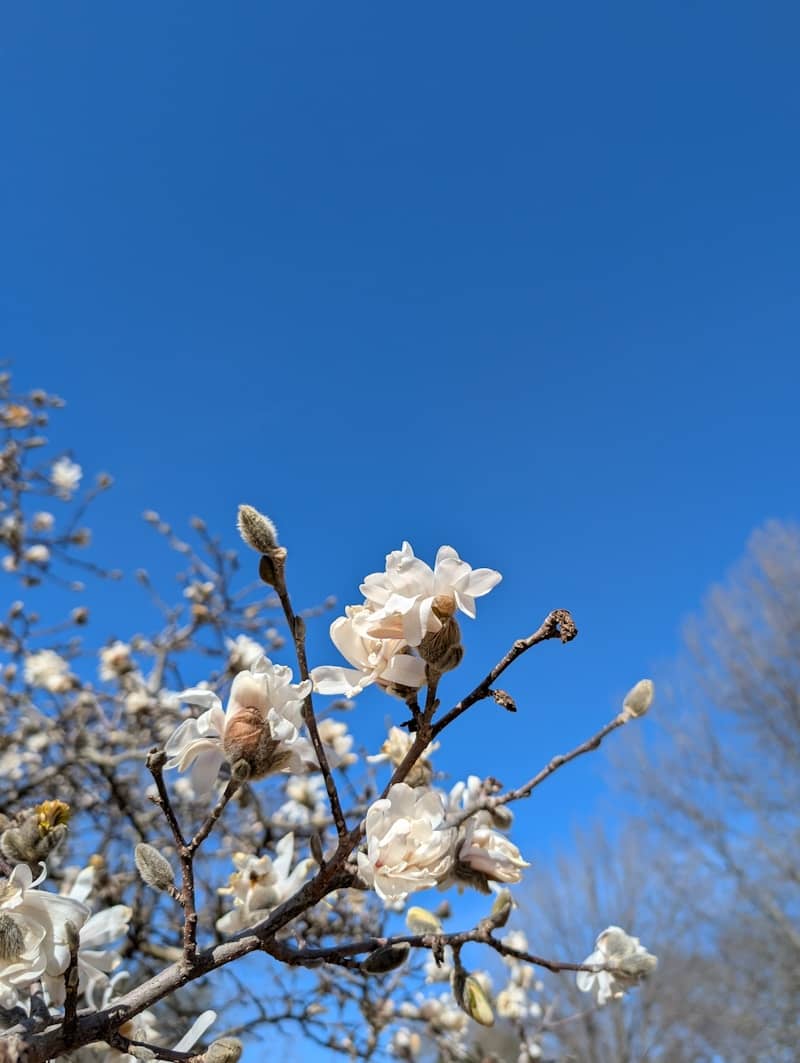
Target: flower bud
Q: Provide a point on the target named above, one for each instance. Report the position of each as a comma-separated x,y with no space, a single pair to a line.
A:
12,938
502,908
387,958
154,868
421,921
225,1050
471,998
257,530
442,650
638,699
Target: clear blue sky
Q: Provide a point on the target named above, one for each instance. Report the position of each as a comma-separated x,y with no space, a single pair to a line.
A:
521,278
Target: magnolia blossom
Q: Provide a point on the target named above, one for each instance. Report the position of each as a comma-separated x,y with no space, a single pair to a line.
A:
338,743
33,934
243,652
489,855
261,726
375,660
115,660
65,475
260,884
394,750
95,960
409,846
628,962
47,670
410,599
38,554
307,801
43,521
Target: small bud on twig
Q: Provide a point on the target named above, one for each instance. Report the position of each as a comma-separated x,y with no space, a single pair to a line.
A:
638,699
154,868
225,1050
502,908
421,921
257,530
471,998
387,958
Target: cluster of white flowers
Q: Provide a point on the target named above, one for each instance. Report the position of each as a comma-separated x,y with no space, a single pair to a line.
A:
65,475
402,605
48,670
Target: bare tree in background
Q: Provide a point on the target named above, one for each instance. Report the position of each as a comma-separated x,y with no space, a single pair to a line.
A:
709,865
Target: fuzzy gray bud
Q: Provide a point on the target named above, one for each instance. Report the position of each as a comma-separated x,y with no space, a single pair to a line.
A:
470,997
225,1050
387,958
638,699
154,868
257,530
502,908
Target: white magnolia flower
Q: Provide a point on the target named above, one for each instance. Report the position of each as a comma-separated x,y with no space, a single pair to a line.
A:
38,554
628,962
409,846
408,595
95,961
394,750
307,801
490,854
261,726
33,936
260,884
48,671
338,743
65,476
374,660
243,652
115,660
43,521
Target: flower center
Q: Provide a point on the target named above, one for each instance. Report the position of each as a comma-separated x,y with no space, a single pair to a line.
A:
12,939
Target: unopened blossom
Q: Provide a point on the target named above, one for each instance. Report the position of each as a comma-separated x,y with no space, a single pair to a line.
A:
33,934
38,554
115,661
65,475
385,662
394,750
409,845
48,671
411,598
260,884
484,855
261,726
627,960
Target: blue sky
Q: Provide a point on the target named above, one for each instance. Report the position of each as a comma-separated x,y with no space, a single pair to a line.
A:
521,279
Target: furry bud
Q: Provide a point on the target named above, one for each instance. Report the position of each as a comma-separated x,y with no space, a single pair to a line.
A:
12,938
502,908
421,921
257,530
638,699
442,650
225,1050
387,958
154,868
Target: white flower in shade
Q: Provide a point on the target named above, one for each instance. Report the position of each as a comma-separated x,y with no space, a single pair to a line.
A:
411,598
260,884
394,750
484,855
115,660
409,846
338,743
243,652
95,961
307,801
33,935
48,671
260,726
628,962
65,475
374,660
